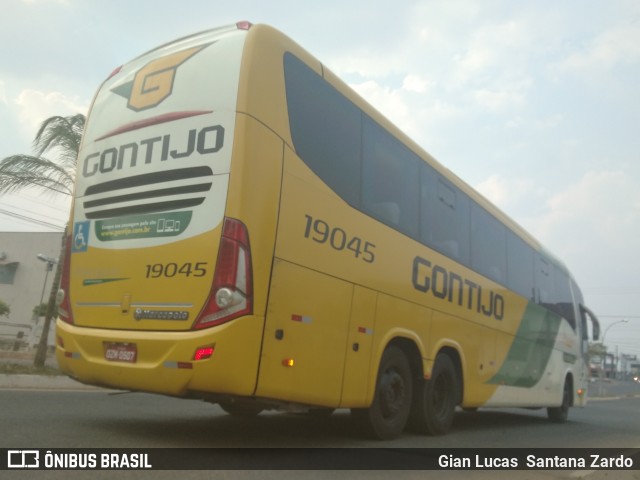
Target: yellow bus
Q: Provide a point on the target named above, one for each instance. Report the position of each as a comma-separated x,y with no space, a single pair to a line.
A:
248,231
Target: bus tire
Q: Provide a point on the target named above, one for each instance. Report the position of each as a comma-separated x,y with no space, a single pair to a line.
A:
435,400
389,412
561,414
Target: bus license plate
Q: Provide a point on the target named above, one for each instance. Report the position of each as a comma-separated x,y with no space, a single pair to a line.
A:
120,352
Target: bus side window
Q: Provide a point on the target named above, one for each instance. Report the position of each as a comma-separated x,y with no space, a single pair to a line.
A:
520,266
444,214
488,245
564,300
390,180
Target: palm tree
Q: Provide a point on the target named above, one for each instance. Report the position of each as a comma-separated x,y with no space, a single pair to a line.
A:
59,136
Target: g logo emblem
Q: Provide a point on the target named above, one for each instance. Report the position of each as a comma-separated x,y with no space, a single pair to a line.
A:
153,83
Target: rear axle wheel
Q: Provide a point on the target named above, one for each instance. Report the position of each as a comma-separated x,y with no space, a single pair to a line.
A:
388,414
435,399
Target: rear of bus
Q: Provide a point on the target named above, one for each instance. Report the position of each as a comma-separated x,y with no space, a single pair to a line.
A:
160,267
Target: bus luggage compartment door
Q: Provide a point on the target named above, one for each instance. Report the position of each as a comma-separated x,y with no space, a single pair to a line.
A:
305,336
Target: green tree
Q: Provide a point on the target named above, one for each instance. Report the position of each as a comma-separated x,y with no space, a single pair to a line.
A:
59,137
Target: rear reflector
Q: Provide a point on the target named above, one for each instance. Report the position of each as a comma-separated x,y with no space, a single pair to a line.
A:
203,353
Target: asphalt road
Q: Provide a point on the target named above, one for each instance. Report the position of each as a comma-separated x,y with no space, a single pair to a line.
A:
99,419
68,419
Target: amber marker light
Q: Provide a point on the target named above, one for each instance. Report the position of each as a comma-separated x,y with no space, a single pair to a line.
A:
288,362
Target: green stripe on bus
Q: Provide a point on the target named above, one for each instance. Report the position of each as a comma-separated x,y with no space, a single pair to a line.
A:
531,349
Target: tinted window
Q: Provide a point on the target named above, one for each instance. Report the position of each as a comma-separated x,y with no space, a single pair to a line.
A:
445,216
564,300
519,266
390,180
544,282
554,289
325,128
488,245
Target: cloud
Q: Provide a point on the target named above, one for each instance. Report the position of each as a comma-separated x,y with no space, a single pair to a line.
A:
498,100
604,204
515,196
488,49
416,83
593,225
616,46
35,106
598,212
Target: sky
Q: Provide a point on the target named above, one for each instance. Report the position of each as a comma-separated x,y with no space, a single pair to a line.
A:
536,104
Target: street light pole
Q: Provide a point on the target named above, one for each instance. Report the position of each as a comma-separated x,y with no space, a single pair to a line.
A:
604,355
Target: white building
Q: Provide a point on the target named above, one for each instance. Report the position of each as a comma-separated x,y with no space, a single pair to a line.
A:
27,271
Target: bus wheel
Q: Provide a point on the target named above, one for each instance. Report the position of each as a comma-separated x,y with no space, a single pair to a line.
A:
240,409
561,414
388,414
435,400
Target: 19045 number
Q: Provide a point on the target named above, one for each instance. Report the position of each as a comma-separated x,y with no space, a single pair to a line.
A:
170,270
321,232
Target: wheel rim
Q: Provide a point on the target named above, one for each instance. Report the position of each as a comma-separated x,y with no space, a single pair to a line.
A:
392,394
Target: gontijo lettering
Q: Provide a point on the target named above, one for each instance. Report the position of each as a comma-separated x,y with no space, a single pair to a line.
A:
454,288
204,141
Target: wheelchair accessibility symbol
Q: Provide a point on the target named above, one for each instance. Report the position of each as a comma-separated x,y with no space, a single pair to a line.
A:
80,236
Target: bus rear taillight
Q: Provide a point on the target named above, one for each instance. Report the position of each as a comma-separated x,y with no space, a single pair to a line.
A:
232,290
64,297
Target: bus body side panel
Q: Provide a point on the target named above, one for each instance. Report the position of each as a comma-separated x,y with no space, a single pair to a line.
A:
359,377
254,198
315,310
494,349
537,360
305,336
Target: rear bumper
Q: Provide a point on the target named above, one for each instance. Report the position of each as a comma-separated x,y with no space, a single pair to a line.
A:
165,360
